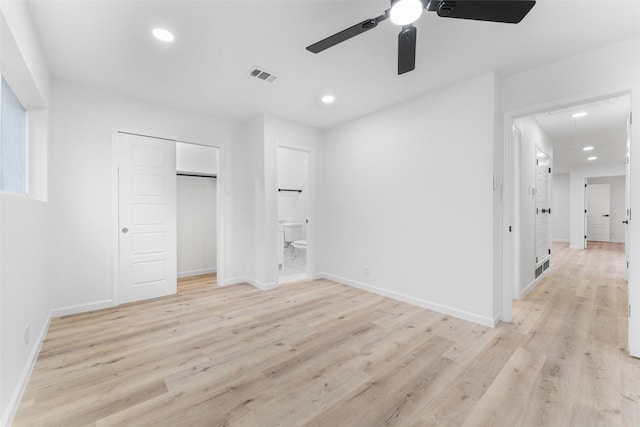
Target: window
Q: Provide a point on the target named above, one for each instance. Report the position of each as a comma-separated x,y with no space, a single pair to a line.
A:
13,143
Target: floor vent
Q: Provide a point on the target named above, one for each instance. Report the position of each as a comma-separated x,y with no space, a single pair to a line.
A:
538,272
262,74
542,268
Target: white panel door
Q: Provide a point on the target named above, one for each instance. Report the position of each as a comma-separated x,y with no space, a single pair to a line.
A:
598,213
147,217
543,206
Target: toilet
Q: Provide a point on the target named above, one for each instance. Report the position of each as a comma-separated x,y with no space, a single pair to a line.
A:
294,236
299,245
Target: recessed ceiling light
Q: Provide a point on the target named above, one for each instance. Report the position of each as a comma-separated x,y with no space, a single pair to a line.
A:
587,148
328,99
162,34
592,158
578,115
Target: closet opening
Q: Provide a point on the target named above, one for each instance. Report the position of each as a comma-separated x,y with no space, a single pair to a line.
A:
196,216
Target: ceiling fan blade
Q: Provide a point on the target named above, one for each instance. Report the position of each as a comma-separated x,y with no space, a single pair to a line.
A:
407,49
350,32
507,11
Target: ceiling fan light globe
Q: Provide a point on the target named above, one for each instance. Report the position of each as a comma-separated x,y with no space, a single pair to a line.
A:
405,12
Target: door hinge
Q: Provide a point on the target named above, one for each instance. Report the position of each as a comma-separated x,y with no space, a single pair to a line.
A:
585,236
537,161
537,211
585,186
536,260
585,211
549,210
509,229
549,251
549,170
629,310
627,264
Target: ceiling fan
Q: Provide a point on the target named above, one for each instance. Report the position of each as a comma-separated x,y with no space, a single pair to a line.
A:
406,12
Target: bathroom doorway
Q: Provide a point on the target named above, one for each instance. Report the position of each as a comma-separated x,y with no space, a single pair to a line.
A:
293,210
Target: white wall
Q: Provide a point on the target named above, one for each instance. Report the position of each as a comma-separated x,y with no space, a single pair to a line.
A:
408,192
532,138
617,207
560,208
264,135
196,225
292,175
25,285
609,70
196,159
82,192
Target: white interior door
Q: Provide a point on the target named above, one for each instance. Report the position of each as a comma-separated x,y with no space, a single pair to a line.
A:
147,217
598,212
543,206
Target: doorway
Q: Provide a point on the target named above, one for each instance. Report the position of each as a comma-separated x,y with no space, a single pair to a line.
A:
157,240
197,194
585,139
293,214
589,140
606,209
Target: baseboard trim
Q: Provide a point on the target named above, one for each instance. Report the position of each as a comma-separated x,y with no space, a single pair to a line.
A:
238,280
576,247
561,240
440,308
534,283
197,272
81,308
16,397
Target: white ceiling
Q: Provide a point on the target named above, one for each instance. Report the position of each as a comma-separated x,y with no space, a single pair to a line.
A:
604,128
108,44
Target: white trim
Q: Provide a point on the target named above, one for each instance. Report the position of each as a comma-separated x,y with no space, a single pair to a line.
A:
182,274
560,240
533,283
82,308
260,285
298,277
581,248
460,314
232,281
21,386
243,279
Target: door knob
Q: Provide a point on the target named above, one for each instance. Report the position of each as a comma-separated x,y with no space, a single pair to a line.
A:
607,215
626,221
125,230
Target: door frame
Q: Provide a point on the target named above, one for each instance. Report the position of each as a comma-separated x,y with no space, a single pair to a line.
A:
310,209
511,196
115,243
550,189
589,188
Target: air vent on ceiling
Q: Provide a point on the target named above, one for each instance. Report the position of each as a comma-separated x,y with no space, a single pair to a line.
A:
260,73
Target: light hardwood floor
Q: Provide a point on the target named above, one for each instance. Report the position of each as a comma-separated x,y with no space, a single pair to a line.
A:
324,354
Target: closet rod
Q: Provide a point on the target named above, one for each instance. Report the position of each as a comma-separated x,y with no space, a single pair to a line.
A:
284,189
196,175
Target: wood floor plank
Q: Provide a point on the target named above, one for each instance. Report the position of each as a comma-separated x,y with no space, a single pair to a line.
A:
512,385
320,353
